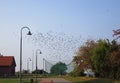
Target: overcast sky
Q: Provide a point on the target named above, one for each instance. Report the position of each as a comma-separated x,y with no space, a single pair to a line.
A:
86,18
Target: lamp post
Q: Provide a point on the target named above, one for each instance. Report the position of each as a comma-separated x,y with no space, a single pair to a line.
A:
29,33
38,50
29,59
43,66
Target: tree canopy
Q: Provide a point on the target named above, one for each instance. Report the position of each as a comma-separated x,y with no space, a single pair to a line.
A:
59,68
102,56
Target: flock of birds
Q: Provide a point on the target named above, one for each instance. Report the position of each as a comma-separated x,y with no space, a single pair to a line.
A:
59,46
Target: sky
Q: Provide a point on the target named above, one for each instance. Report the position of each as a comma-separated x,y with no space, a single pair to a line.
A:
92,19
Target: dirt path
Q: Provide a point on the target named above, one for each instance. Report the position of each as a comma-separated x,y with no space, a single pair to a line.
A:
54,80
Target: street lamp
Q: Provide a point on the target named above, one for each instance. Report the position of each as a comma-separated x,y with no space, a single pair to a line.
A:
43,65
29,59
38,50
29,33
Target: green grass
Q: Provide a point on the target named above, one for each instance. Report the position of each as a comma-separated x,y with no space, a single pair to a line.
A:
73,79
13,80
9,81
90,80
25,78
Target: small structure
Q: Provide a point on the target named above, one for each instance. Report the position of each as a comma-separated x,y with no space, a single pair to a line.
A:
7,66
89,73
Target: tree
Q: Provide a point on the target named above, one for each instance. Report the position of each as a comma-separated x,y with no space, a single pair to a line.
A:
39,71
106,59
82,59
100,57
115,60
116,33
59,69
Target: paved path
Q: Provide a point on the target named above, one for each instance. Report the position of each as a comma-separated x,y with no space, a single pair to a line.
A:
54,80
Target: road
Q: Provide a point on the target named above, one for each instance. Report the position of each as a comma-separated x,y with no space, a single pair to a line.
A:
54,80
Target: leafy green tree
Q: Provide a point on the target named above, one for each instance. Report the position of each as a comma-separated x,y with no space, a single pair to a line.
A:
102,56
106,59
99,58
59,69
115,60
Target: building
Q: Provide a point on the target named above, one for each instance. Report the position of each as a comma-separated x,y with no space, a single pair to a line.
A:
7,66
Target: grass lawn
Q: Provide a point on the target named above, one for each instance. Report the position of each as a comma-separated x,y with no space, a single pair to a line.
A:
25,79
73,79
90,80
13,80
9,81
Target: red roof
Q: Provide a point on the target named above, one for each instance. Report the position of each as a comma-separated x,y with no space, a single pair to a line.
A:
7,60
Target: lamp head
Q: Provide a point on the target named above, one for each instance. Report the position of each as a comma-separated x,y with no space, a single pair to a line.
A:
40,52
29,33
